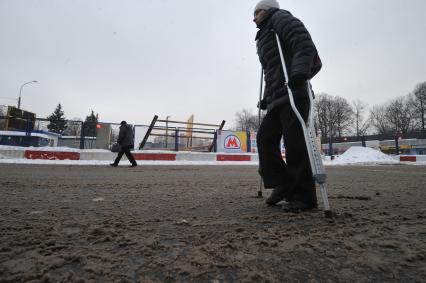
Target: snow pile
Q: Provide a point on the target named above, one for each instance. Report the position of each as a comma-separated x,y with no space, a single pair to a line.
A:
358,155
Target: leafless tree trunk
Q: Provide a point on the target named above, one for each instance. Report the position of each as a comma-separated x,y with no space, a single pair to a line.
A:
344,115
399,115
324,113
333,115
378,119
246,121
418,100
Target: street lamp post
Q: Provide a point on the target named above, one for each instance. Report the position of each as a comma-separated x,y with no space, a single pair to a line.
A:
167,128
20,92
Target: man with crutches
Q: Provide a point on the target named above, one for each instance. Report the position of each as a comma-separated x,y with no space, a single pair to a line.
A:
291,180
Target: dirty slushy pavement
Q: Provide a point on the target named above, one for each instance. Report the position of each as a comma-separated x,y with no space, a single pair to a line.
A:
204,224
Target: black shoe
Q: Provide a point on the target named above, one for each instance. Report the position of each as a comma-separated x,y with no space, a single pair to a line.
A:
277,195
298,206
113,164
133,165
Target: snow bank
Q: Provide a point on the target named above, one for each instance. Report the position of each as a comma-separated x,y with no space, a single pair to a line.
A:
358,155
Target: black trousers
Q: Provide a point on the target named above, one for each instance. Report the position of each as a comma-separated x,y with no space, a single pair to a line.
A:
125,150
295,173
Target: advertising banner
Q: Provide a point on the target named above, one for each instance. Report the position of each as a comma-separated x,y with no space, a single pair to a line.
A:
14,119
232,142
253,144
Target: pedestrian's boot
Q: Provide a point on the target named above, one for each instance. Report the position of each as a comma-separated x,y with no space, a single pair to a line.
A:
278,194
113,164
133,165
303,199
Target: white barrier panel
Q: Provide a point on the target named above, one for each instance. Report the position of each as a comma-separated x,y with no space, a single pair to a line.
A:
195,156
11,153
105,155
99,155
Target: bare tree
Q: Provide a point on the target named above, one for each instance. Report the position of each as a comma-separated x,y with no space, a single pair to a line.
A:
344,114
334,115
324,114
418,102
399,115
361,124
378,119
246,121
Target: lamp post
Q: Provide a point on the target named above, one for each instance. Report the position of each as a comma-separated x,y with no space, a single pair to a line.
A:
20,92
167,128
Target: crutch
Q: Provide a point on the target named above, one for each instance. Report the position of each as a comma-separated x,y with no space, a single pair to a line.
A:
260,193
315,160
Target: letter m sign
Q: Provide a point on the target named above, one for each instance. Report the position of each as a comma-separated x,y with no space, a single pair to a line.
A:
232,142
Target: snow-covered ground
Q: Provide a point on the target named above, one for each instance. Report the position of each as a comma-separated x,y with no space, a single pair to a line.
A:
353,156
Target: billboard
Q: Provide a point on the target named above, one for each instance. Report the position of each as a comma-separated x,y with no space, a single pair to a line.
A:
14,119
253,144
232,142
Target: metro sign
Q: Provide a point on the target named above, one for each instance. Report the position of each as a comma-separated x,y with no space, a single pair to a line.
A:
232,142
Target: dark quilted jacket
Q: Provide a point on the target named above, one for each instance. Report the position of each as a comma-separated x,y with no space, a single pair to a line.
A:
125,136
300,54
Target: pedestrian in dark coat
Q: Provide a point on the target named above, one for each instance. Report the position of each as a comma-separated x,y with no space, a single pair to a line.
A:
291,180
125,140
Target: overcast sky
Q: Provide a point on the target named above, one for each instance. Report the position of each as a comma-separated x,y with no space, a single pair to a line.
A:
132,59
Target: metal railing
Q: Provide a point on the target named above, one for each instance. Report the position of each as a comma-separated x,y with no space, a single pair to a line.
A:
179,135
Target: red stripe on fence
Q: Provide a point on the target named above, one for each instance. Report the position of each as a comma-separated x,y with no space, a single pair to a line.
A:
51,155
408,158
227,157
155,156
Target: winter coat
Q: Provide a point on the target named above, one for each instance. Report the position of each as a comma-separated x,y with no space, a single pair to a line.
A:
301,57
125,136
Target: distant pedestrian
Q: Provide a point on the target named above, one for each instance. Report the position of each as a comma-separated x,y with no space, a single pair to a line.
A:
290,180
125,140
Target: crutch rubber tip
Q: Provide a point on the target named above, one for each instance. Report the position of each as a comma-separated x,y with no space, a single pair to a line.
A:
259,194
328,214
